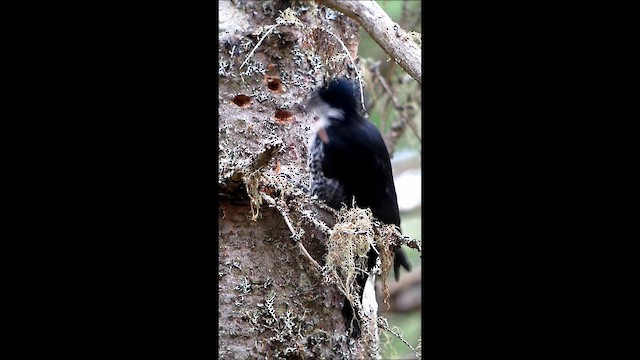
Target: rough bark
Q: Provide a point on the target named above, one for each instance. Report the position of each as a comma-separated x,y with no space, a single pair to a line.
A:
273,303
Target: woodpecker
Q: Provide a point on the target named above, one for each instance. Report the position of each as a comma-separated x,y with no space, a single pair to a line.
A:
349,162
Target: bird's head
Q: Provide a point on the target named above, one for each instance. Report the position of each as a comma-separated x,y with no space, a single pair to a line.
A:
334,104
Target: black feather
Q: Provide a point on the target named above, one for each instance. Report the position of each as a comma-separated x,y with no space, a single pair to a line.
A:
353,163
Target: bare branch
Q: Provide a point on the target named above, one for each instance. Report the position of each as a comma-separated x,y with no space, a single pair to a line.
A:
382,322
308,256
396,236
395,41
398,127
296,235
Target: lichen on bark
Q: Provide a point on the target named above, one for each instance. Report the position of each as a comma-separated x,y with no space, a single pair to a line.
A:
273,303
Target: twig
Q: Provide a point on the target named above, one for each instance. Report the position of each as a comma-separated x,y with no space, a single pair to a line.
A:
346,50
295,235
271,201
317,223
393,39
382,322
308,256
413,243
396,104
258,44
396,236
324,206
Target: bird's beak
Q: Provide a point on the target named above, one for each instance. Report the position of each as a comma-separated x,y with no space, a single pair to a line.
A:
312,103
322,134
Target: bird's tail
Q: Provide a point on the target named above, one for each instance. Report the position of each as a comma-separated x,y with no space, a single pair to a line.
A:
400,260
352,320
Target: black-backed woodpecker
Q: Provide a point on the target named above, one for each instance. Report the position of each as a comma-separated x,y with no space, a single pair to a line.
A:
349,161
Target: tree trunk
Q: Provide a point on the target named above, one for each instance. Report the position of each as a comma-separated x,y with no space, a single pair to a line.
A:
273,301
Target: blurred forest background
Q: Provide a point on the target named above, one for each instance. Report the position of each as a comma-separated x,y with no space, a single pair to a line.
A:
394,105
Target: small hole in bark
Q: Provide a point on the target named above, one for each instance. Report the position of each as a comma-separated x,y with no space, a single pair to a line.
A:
274,84
283,117
242,100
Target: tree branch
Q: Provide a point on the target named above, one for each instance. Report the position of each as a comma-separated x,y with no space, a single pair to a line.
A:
403,120
389,35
